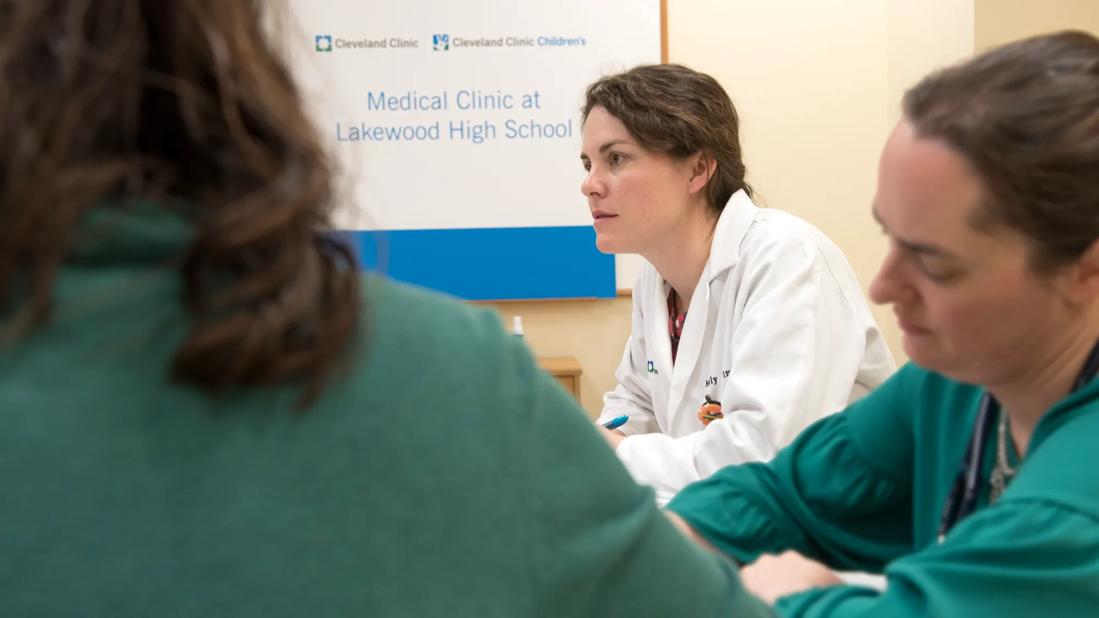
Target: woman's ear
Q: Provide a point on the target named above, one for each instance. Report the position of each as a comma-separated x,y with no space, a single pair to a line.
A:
703,168
1083,280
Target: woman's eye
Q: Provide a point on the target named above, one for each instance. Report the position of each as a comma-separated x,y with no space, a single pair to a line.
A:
617,158
938,274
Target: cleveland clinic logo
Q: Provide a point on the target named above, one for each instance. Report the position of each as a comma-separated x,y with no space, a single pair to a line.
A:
323,42
440,42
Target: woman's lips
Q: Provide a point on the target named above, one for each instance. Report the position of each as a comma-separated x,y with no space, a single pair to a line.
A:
911,328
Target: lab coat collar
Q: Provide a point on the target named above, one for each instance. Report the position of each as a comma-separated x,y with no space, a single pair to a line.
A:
732,226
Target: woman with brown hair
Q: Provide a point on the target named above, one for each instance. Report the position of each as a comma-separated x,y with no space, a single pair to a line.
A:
748,323
208,411
969,477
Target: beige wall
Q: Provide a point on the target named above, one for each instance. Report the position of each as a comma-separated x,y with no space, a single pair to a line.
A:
818,85
1000,21
594,331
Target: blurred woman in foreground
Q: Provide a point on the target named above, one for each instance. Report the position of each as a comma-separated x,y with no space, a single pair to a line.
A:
208,412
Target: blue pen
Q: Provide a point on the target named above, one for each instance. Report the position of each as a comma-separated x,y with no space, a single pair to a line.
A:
616,422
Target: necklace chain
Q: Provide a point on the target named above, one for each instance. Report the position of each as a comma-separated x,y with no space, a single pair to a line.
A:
1003,472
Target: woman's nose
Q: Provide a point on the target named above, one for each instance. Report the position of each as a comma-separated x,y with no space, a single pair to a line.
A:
890,285
592,186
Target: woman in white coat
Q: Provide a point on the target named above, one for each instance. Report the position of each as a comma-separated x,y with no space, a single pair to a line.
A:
748,323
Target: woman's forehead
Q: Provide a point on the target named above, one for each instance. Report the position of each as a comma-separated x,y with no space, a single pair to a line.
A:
928,193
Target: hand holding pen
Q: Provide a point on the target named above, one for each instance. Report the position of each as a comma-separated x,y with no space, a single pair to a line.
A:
614,437
616,422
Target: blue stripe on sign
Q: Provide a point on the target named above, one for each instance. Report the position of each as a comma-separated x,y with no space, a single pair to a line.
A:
493,263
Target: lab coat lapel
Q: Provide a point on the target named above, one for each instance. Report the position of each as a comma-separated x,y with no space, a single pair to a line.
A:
660,346
732,225
690,350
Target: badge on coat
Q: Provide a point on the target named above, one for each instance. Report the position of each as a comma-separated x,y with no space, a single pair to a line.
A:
709,411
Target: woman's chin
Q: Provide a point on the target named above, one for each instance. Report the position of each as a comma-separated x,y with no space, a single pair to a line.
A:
920,349
608,245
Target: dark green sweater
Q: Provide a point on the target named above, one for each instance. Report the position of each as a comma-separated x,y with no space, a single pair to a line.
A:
444,475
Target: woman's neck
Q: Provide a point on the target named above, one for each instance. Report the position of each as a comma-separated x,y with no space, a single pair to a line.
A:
681,261
1027,397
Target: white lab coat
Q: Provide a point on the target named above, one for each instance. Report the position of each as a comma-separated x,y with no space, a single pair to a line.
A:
778,331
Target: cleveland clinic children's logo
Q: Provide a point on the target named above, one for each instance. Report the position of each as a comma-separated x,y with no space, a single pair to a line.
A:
323,42
440,42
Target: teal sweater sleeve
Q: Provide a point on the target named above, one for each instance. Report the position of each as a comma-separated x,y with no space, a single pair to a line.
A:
1018,558
840,493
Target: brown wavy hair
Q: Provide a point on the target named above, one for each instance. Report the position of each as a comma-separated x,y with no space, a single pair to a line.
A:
677,111
1026,116
109,101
